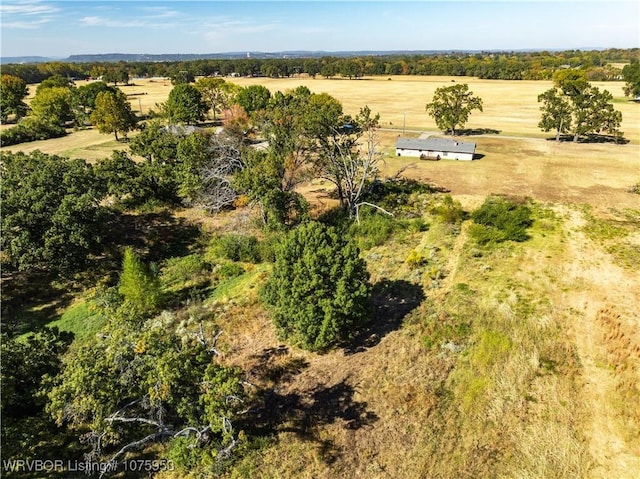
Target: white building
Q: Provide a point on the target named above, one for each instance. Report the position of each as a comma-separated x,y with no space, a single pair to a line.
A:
436,148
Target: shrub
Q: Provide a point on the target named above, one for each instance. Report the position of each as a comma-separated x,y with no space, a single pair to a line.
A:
30,131
319,291
138,285
449,211
236,247
500,219
374,229
181,270
229,270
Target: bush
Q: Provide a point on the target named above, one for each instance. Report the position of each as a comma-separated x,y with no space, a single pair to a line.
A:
236,247
183,269
319,291
500,219
449,211
30,131
229,270
374,229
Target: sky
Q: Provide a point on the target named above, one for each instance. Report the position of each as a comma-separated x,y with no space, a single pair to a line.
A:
62,28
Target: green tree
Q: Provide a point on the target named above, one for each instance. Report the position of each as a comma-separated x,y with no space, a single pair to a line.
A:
116,75
13,91
28,364
318,292
253,98
591,111
631,75
185,105
51,214
54,82
141,383
183,77
452,105
112,113
83,99
155,143
216,93
52,105
556,112
138,285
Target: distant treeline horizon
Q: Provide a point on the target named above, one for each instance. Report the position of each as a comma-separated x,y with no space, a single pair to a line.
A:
600,65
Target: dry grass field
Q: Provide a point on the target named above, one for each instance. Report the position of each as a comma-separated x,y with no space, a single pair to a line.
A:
517,160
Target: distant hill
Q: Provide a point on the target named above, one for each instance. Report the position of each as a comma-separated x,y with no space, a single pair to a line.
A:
6,60
173,57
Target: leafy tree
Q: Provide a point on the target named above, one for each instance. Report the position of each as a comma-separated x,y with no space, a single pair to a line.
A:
112,113
452,105
51,214
138,285
216,93
185,105
591,110
140,384
27,366
182,77
155,143
83,99
556,112
119,176
54,81
318,292
52,105
631,75
13,91
116,75
253,98
262,180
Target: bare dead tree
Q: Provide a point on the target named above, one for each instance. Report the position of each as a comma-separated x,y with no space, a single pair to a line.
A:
216,191
353,165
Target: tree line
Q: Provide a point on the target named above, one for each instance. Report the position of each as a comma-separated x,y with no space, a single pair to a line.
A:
598,65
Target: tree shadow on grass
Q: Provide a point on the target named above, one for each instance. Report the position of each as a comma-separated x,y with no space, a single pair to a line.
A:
392,301
477,131
303,410
594,138
30,300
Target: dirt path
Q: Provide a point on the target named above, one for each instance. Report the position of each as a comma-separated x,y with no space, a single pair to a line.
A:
596,285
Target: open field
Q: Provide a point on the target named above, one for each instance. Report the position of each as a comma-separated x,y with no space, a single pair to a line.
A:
517,161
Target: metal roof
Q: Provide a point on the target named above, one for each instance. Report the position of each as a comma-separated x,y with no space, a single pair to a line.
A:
436,144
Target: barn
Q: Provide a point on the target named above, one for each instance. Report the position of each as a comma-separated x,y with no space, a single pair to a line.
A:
435,148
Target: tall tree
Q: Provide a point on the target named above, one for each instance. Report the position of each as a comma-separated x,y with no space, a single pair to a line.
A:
631,75
13,91
556,112
216,93
452,105
52,106
83,99
351,159
185,105
591,111
253,98
51,214
318,293
112,113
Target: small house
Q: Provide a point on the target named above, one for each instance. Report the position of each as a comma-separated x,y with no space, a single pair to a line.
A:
435,148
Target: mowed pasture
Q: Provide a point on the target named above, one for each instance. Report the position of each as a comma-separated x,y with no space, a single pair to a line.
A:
519,159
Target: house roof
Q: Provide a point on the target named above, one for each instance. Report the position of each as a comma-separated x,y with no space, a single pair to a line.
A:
436,144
